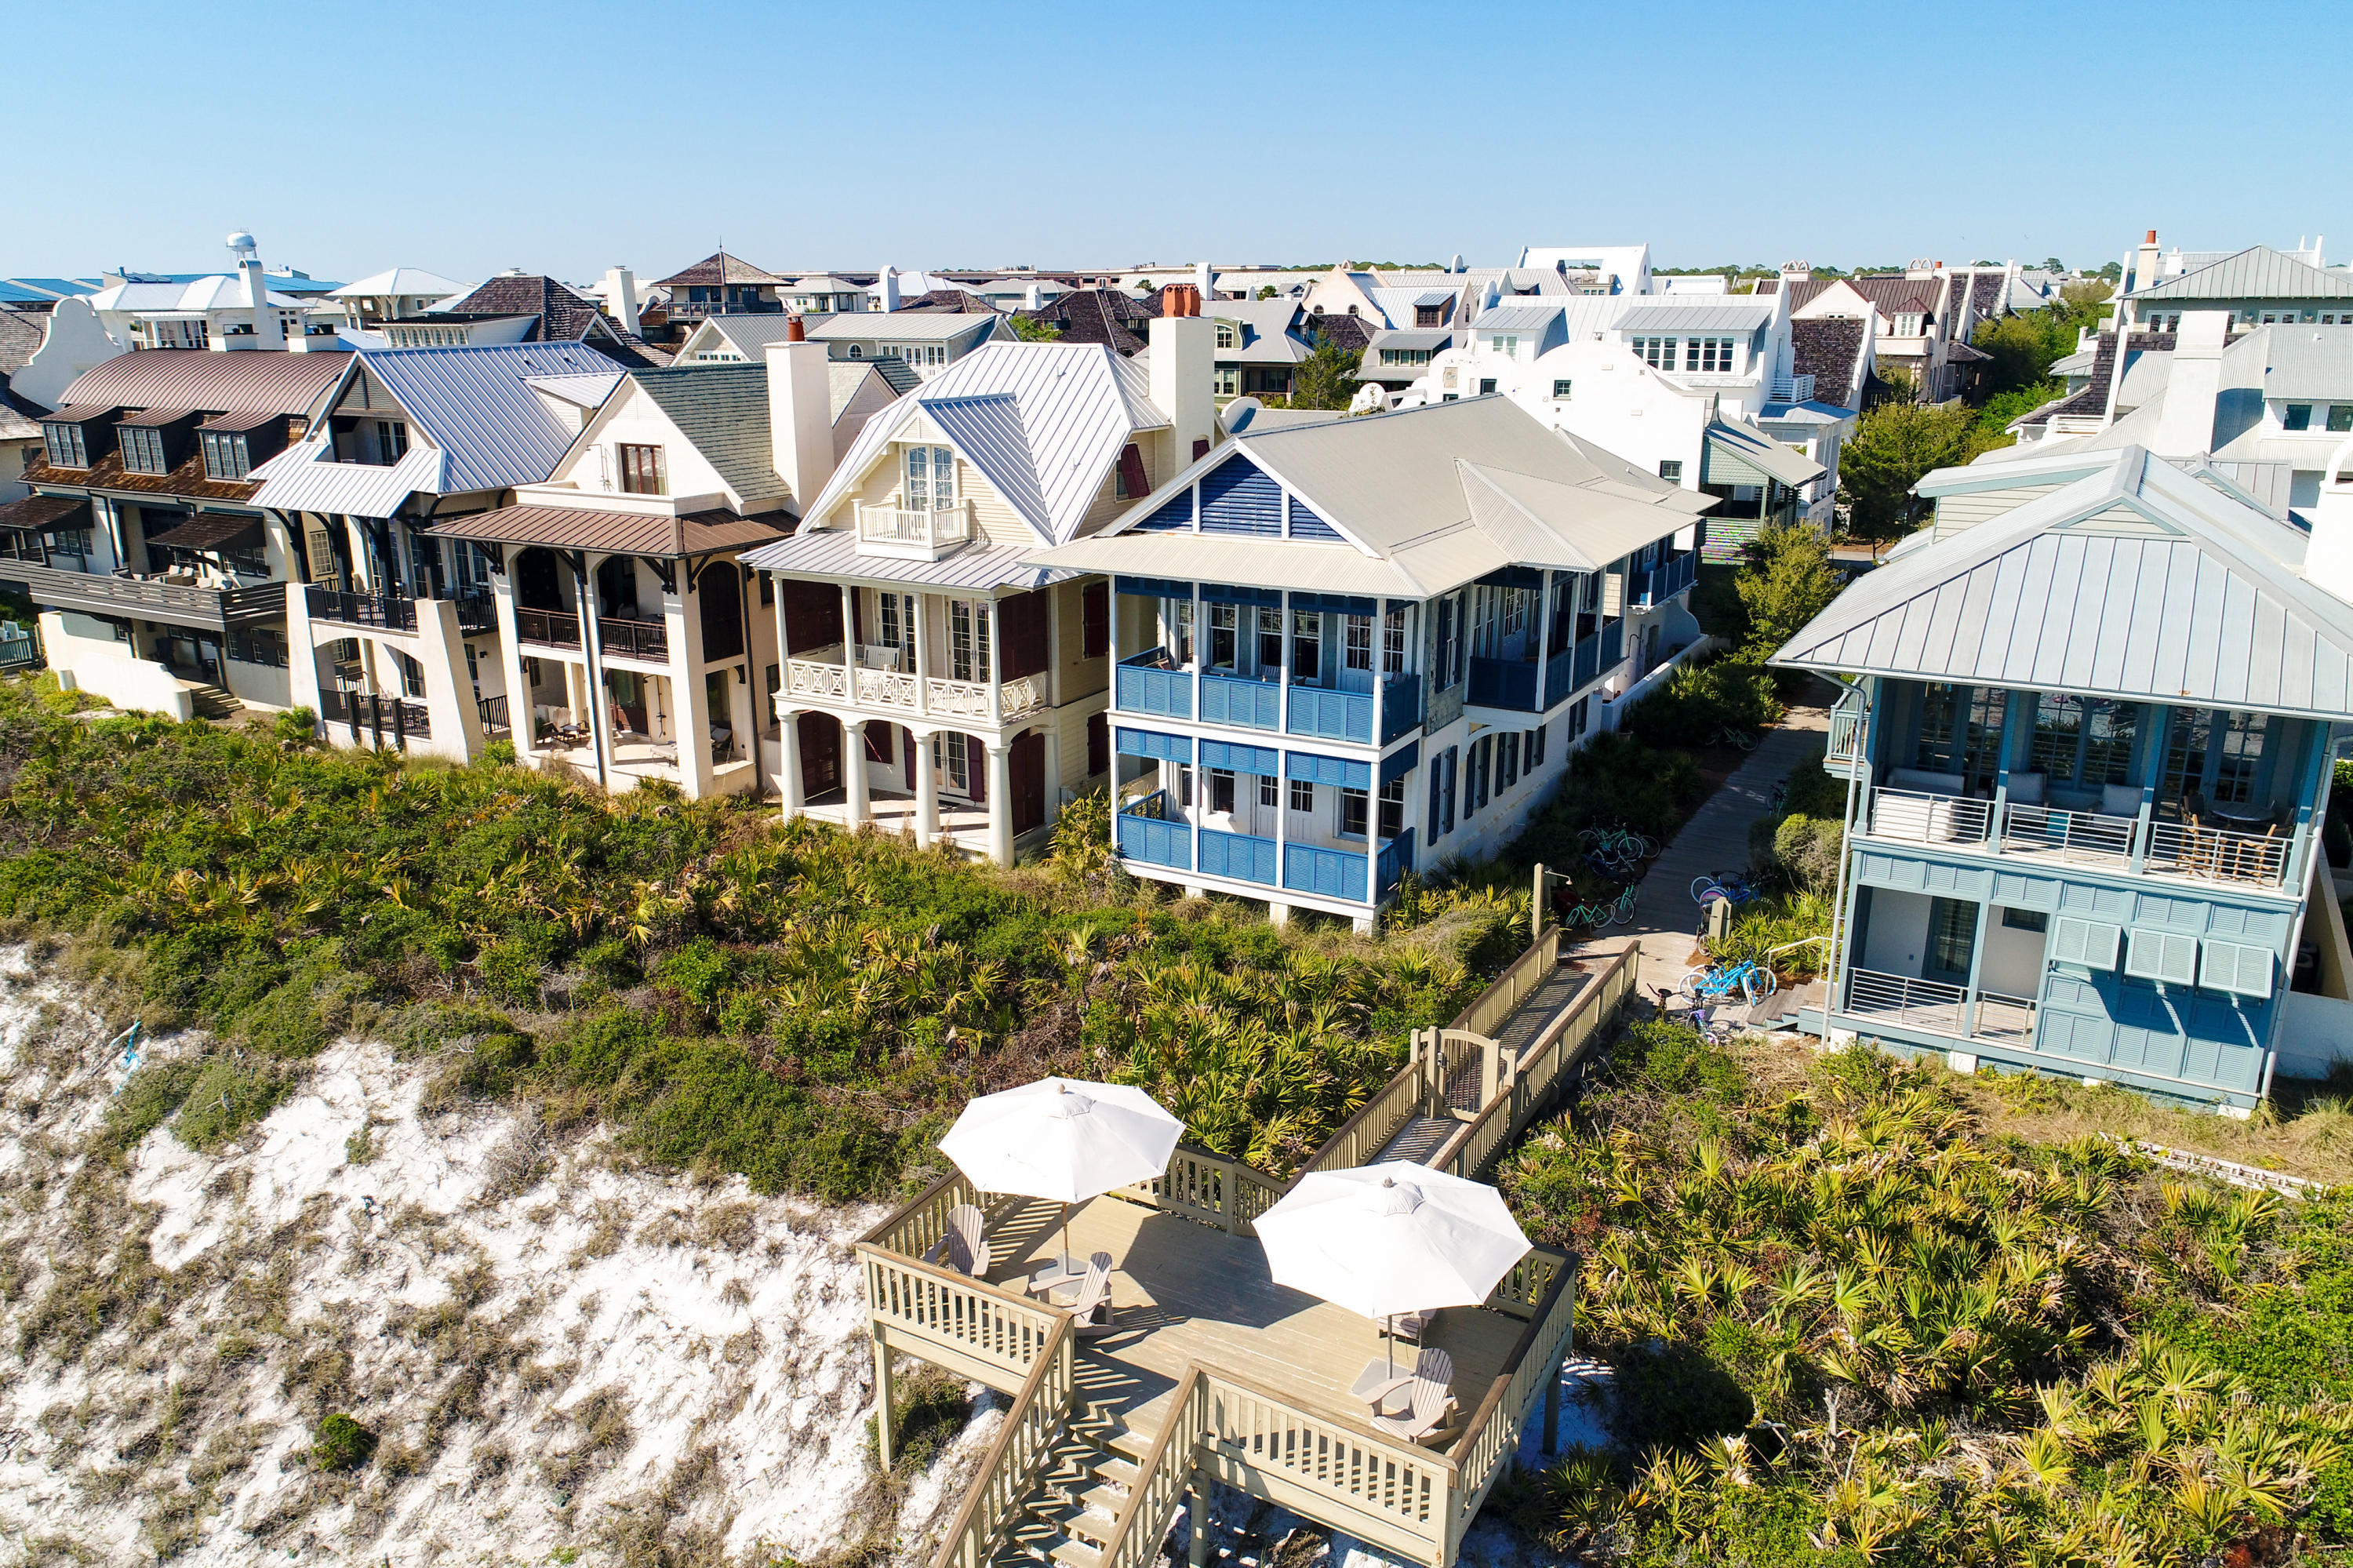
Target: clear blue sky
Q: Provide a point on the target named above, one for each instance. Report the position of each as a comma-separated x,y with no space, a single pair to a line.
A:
568,138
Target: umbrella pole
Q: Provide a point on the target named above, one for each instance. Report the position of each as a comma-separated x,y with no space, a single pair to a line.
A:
1389,1343
1066,1238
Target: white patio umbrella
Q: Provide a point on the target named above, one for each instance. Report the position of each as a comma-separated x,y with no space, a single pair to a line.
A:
1384,1240
1063,1140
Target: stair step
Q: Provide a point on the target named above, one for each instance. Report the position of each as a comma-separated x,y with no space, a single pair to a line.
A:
1105,1500
1077,1554
1133,1444
1120,1472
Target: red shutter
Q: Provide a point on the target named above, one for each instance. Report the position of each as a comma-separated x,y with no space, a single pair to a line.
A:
975,768
1022,622
1200,448
1094,621
1131,472
1098,744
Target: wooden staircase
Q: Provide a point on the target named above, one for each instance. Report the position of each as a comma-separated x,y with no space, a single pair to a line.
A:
214,702
1068,1516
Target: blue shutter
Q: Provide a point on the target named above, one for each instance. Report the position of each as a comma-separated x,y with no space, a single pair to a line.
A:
1226,754
1241,498
1305,524
1332,770
1172,516
1400,763
1151,743
2166,955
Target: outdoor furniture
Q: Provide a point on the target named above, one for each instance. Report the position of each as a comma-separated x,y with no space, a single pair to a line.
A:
1410,1326
1062,1140
1088,1301
963,1245
1427,1405
1378,1382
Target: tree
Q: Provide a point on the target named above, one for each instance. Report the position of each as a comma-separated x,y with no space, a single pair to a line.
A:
1326,379
1893,446
1030,329
1785,583
2052,264
1266,290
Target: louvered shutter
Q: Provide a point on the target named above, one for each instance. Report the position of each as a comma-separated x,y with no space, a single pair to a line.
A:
2165,956
2090,943
2234,967
1131,472
1095,619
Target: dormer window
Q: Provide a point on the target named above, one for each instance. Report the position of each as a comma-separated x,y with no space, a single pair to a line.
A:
226,455
1428,315
1506,345
641,470
1226,337
1708,356
930,479
65,446
1907,324
142,450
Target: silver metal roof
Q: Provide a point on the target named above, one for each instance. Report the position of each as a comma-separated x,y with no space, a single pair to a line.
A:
2258,272
1519,318
2314,362
2135,581
1703,312
306,477
477,405
833,555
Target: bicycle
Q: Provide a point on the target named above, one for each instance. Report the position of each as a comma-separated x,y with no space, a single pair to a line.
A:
1730,886
1738,740
1750,980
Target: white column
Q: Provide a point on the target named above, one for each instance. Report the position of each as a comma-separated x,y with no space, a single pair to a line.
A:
788,765
1001,801
523,725
849,636
927,790
853,769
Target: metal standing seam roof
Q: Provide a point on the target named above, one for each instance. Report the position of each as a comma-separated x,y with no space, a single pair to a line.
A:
1519,318
1786,464
396,281
896,326
832,554
2306,361
2192,598
274,380
2258,272
1072,406
587,391
1705,313
476,404
658,534
306,477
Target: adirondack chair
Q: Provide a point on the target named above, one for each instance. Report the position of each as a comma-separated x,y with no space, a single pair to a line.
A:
1428,1398
1089,1302
964,1245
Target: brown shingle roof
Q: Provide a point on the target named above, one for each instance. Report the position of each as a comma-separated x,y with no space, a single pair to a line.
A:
35,512
618,532
949,300
716,268
188,479
1827,349
1098,316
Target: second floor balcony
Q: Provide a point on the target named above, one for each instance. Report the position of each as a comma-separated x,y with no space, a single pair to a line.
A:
393,612
175,598
915,534
829,677
1151,685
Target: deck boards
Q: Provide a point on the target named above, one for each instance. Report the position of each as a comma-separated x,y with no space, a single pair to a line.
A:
1183,1291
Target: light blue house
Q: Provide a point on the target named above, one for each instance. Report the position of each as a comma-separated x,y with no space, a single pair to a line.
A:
1344,648
2091,716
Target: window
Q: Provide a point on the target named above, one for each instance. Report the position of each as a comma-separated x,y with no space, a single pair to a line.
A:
1486,386
641,470
1270,791
2083,741
1229,383
1352,813
261,645
893,625
1560,390
1482,771
2219,754
2340,417
1306,645
1270,640
392,441
930,479
224,455
2025,921
142,450
1505,345
2296,417
1709,355
1671,470
1393,808
1224,638
1952,935
1226,335
65,446
967,639
1221,791
1393,643
1428,315
1303,795
1359,631
1449,641
1180,630
1658,352
1579,713
1405,357
1908,323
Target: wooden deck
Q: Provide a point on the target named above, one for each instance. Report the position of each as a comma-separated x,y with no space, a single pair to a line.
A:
1182,1292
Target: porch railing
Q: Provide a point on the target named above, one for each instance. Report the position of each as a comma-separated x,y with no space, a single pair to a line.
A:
547,628
1938,1008
1241,856
914,533
1848,733
1150,683
647,639
493,711
1146,833
382,610
1922,818
2072,835
1240,701
1327,873
2219,854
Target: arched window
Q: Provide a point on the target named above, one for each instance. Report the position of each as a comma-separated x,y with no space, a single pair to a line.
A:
856,352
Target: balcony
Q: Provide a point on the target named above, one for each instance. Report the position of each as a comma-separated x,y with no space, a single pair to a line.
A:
2205,852
1849,731
1937,1008
380,612
1239,855
905,535
825,675
696,310
166,597
2250,852
1148,683
1242,701
547,628
1325,873
379,718
1792,389
1146,833
645,640
1325,715
1504,683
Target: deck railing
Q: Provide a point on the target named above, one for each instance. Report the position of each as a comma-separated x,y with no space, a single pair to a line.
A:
1330,1468
914,533
1034,1426
1527,972
1849,729
2219,854
547,628
1161,1478
2072,835
1528,1086
1145,831
1210,1188
1529,1378
1919,817
647,639
1935,1007
1149,683
969,1326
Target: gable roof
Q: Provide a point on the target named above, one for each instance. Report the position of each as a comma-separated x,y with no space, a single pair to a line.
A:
2258,272
1427,498
1045,421
563,316
1098,316
2134,581
723,413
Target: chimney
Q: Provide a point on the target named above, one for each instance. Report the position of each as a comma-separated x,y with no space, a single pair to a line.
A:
1184,352
795,330
2144,263
621,298
1032,298
266,332
890,288
1180,299
2328,559
800,416
2185,424
1205,279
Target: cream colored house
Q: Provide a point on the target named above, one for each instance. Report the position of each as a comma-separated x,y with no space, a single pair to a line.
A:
936,675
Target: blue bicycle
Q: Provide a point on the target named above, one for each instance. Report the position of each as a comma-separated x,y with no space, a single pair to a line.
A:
1748,981
1730,886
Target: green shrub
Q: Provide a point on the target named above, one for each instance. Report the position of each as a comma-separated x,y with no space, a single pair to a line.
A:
341,1444
147,1099
295,728
1700,699
231,1094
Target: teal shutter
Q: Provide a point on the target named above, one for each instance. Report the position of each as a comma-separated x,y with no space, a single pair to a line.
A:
2165,956
2237,968
2090,943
